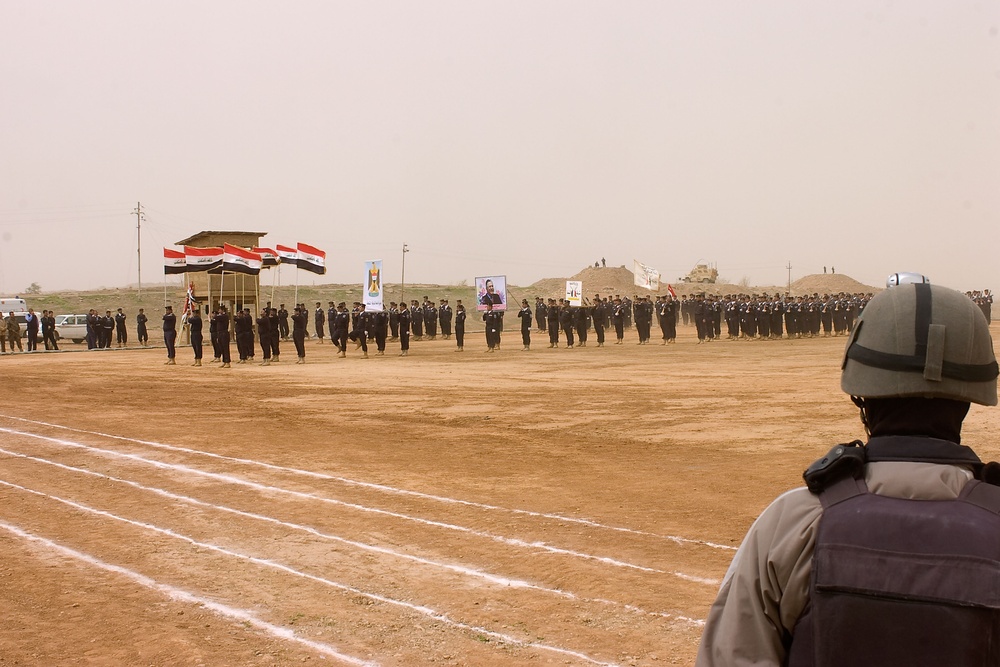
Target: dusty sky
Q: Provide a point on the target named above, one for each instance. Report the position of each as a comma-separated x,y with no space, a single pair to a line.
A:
526,138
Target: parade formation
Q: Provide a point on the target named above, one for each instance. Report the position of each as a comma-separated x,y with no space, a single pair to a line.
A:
559,324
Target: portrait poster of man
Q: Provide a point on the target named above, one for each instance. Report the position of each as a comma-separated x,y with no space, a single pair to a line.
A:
373,285
574,292
491,289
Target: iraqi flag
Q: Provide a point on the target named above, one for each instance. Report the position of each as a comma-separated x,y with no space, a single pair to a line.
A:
311,259
238,260
203,259
288,255
174,262
670,288
268,257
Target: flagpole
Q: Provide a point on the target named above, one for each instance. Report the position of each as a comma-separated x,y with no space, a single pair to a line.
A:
296,288
274,275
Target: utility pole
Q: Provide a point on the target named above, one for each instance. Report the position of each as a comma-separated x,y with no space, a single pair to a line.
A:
789,267
402,277
139,215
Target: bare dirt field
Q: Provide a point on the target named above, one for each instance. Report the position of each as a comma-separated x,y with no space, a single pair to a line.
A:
521,508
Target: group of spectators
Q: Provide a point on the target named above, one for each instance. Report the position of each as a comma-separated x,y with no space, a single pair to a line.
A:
34,324
102,328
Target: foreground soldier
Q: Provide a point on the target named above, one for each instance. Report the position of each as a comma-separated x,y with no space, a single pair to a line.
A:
892,554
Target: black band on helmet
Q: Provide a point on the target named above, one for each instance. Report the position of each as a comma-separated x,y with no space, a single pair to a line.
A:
915,364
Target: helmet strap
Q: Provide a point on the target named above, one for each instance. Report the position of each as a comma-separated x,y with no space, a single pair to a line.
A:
860,402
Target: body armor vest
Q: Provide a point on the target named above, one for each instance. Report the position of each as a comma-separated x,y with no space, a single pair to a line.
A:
902,582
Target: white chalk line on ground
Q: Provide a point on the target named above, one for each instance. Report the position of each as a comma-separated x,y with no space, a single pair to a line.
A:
459,569
423,610
382,487
180,595
230,479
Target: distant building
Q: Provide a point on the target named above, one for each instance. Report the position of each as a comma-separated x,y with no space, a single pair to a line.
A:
232,289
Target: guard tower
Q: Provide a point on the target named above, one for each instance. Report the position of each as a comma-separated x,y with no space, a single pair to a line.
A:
235,290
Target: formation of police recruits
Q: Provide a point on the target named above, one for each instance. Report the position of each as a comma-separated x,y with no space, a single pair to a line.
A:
744,317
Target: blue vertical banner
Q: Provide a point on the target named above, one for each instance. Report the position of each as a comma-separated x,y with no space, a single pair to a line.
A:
373,285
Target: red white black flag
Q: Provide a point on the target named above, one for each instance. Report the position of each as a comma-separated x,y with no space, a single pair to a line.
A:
203,259
268,257
173,262
311,259
288,255
238,260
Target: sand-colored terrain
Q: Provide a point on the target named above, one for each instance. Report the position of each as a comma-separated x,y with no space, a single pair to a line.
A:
521,508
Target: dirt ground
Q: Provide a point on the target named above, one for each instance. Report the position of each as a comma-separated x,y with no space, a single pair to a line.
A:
565,507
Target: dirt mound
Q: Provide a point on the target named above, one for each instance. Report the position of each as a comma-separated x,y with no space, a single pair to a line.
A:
830,283
605,280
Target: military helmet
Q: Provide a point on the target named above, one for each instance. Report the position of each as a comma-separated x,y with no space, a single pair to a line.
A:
921,340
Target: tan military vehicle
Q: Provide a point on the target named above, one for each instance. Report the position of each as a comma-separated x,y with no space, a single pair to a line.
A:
701,273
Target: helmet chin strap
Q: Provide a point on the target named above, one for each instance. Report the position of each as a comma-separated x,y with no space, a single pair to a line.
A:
860,402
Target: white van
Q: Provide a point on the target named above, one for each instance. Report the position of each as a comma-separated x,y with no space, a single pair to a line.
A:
15,304
73,327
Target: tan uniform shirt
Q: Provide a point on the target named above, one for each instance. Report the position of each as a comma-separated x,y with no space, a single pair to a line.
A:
767,585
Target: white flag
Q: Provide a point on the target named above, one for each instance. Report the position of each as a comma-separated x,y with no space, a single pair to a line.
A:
646,276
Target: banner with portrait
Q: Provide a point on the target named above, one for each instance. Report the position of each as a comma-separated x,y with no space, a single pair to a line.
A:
491,289
574,292
372,290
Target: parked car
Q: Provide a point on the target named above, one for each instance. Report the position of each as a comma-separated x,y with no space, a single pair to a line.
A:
73,327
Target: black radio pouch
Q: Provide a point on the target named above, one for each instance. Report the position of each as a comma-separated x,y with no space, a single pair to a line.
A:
843,460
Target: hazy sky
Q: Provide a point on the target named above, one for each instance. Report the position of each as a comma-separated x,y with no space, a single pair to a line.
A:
526,138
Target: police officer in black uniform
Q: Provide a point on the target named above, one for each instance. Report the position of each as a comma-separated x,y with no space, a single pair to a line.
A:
141,332
393,320
342,324
222,335
320,321
283,322
380,328
264,335
459,326
566,321
120,330
404,331
195,330
170,334
445,315
275,334
525,315
552,313
299,319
